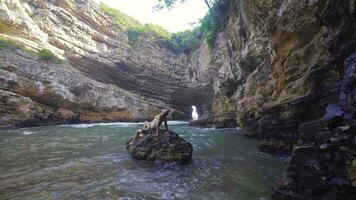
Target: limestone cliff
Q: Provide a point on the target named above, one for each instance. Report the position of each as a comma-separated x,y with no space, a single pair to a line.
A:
104,77
277,69
277,64
281,70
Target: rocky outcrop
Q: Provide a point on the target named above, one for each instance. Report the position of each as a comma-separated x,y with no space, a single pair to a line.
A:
279,72
277,65
324,166
36,92
168,147
104,76
211,122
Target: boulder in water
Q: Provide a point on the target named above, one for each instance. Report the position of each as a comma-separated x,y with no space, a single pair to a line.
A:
168,146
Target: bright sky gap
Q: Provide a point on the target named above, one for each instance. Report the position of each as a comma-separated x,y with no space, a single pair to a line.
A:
194,113
182,17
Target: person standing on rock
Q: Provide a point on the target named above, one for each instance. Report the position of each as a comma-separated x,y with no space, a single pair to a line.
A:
154,125
157,122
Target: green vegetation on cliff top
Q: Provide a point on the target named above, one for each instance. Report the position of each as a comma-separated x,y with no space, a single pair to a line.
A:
184,41
133,25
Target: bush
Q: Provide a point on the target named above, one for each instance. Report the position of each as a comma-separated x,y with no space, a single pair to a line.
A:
135,28
210,39
133,35
184,41
6,43
47,55
43,54
119,17
213,22
158,31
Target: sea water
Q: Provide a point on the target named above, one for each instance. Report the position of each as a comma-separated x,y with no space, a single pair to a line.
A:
89,161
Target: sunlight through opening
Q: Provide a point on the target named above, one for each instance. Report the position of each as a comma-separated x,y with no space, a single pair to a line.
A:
194,113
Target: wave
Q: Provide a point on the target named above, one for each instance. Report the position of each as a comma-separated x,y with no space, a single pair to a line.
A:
217,129
207,129
176,122
121,124
27,132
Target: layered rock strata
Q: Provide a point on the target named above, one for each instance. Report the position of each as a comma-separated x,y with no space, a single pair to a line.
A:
104,76
324,167
279,72
278,64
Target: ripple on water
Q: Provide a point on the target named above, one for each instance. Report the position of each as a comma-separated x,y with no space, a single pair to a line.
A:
27,132
91,162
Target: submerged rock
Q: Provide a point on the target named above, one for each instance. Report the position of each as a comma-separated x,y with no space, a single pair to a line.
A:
168,146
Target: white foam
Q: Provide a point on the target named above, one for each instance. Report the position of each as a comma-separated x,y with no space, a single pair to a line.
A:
120,124
213,128
227,128
207,129
176,122
27,132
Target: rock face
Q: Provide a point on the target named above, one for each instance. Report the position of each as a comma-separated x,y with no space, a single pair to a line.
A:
282,69
214,123
104,77
168,147
325,166
278,64
39,92
278,69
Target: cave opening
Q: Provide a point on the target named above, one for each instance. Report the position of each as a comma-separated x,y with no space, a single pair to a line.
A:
194,113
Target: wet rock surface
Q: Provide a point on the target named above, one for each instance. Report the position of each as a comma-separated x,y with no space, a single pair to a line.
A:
278,64
324,165
167,147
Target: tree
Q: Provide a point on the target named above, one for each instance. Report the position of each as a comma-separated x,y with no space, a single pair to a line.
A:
208,4
210,25
171,3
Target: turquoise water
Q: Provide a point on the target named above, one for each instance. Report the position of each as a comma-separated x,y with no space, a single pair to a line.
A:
91,162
